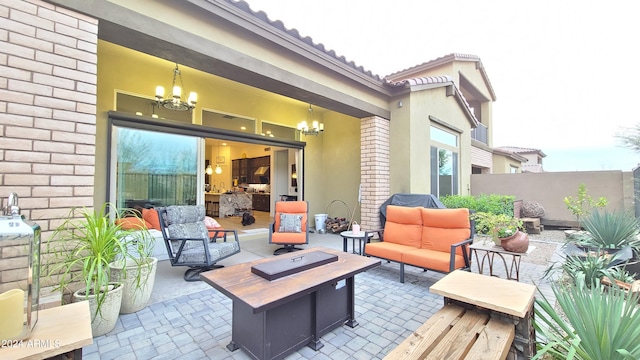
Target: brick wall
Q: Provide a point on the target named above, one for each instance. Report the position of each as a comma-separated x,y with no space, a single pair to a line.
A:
374,171
48,77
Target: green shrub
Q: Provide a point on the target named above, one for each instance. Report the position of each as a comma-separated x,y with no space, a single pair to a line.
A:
493,203
488,223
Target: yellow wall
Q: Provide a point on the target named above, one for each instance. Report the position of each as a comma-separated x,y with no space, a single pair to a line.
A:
410,136
502,164
332,158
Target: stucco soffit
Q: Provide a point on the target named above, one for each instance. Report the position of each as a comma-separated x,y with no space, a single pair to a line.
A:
137,31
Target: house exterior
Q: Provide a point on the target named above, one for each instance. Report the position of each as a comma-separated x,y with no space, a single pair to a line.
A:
66,65
534,157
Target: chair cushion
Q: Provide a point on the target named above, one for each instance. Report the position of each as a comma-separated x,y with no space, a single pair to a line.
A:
181,214
443,227
432,259
151,216
403,226
290,223
217,250
133,223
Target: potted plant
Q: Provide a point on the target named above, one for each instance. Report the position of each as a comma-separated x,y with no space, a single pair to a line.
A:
82,249
137,271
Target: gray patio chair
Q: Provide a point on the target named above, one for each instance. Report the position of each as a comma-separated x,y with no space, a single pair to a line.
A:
189,243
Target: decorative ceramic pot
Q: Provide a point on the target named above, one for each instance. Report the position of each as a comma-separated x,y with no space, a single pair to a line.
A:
104,317
517,243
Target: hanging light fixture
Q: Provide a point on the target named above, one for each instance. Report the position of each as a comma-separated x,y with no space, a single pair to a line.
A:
208,170
218,167
175,101
315,128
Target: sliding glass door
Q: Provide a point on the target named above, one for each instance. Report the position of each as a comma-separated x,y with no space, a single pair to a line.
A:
151,169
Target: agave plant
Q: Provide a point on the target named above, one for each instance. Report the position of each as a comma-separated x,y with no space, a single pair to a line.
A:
610,230
592,324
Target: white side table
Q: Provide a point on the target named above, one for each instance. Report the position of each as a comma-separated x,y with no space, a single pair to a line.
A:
360,236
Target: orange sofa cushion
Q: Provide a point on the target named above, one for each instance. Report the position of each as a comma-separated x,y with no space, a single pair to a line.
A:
444,227
432,259
387,250
403,226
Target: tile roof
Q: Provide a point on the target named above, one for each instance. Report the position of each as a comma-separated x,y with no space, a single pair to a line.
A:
521,150
445,60
441,79
437,81
278,24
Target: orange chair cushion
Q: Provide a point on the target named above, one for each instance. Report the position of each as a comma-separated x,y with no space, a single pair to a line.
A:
444,227
386,250
403,226
151,216
291,207
288,238
212,232
132,223
432,259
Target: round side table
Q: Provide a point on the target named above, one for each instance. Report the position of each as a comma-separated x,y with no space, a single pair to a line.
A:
360,236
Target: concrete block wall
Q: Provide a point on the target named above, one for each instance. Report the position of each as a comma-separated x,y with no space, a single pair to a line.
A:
48,78
374,169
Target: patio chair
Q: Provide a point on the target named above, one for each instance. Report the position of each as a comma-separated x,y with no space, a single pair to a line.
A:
290,226
189,243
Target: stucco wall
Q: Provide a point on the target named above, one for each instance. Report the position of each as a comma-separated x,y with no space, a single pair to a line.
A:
550,188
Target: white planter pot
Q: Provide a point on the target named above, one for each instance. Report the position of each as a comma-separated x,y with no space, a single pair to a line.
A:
137,288
106,319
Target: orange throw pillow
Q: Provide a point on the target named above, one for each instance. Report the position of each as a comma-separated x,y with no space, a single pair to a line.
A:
132,223
151,216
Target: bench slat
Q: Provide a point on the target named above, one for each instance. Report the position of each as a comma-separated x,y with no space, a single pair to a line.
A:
457,333
496,340
460,337
427,335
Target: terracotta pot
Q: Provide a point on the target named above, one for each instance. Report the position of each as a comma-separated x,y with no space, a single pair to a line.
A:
518,242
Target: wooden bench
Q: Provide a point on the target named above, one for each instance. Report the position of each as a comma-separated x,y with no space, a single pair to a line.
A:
484,317
457,333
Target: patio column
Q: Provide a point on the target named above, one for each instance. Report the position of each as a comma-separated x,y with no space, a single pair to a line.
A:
374,169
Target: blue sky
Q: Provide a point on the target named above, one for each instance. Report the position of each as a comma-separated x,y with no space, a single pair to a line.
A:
590,159
564,72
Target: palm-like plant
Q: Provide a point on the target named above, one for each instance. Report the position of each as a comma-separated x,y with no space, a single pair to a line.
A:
610,230
82,249
599,324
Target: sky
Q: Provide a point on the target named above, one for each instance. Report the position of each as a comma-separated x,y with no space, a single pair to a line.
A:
564,72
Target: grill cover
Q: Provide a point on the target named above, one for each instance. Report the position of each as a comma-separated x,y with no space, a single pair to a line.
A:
409,200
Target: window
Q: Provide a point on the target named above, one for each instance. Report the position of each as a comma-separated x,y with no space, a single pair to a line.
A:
513,169
444,162
154,168
228,122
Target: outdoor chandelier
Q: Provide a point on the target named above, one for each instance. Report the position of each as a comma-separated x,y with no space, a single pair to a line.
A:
175,101
315,129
